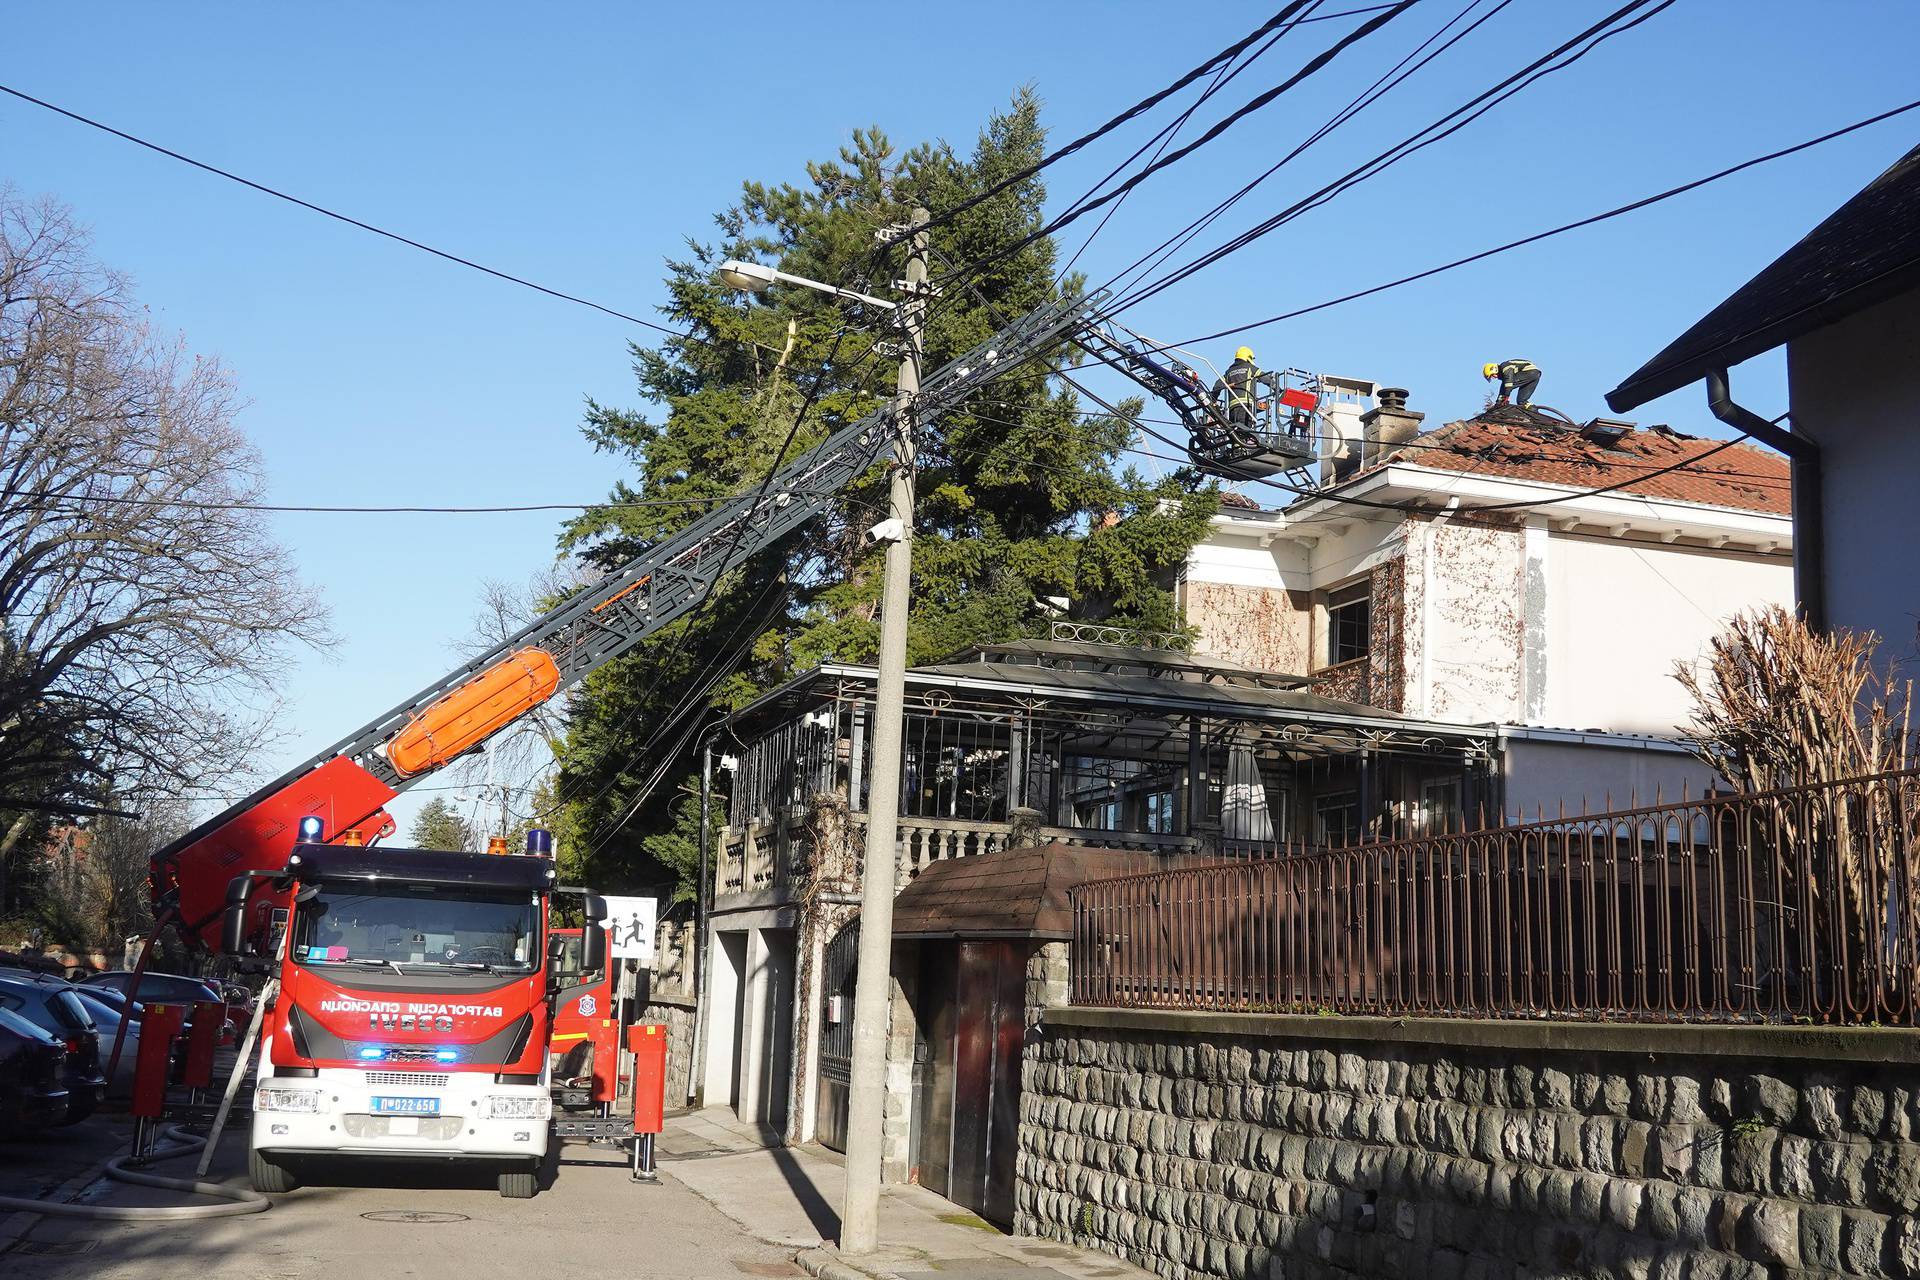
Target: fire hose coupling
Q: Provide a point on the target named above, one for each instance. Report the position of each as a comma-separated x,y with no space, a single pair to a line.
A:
512,1107
269,1098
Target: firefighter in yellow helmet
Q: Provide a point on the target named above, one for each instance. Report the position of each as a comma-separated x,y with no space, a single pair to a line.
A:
1517,378
1238,390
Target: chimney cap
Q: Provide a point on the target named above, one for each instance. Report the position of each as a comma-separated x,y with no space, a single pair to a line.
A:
1392,397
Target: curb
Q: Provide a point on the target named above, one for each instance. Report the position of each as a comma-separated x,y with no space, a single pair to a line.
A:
14,1226
825,1264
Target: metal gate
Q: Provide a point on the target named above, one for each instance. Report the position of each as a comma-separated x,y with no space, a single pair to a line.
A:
836,1034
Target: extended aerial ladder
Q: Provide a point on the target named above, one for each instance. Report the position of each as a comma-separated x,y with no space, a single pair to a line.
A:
349,783
1265,442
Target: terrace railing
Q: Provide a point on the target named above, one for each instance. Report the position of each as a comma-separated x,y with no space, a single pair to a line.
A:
1799,905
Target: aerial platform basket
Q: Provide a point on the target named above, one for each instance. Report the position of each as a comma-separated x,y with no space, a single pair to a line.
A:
1275,435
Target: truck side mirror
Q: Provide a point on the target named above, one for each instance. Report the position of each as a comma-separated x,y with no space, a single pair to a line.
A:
593,946
233,921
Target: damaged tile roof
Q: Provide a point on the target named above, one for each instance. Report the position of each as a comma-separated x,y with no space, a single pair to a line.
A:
1742,476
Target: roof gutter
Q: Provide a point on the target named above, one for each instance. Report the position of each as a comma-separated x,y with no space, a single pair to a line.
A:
1809,513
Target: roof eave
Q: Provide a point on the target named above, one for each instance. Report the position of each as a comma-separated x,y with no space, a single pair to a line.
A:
1683,371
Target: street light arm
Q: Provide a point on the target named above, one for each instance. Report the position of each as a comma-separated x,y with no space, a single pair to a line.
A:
752,277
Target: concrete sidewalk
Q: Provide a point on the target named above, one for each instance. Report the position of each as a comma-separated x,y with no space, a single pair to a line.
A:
791,1196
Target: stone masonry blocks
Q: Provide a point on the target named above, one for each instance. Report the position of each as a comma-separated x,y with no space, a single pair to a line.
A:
1215,1157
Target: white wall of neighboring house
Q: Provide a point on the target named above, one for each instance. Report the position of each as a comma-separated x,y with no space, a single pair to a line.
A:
1620,615
1548,768
1855,390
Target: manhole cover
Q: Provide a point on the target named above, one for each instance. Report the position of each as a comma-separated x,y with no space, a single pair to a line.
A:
412,1215
54,1248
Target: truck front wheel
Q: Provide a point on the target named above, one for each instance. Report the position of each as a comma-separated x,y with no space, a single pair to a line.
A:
519,1184
268,1176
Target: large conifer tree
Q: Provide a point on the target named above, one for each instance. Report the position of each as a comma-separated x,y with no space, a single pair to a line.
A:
1023,497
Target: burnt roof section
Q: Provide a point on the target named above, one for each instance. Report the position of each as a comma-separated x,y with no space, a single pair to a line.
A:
1517,446
1016,893
1865,253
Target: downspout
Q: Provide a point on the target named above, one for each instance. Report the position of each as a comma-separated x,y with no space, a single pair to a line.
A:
1809,512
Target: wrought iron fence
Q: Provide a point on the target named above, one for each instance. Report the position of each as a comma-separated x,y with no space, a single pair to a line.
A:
1788,906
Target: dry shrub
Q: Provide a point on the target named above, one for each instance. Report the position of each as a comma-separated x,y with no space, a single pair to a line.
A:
1779,706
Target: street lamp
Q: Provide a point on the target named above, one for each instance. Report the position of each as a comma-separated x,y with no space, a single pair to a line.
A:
867,1090
751,277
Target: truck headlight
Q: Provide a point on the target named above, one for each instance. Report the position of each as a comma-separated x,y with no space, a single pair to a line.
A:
307,1100
504,1107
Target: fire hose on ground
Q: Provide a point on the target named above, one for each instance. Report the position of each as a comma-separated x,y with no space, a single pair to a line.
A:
234,1200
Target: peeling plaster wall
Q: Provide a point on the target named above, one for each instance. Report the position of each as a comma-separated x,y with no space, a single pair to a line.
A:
1266,628
1465,619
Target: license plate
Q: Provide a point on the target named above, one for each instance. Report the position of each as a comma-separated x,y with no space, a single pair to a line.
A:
406,1106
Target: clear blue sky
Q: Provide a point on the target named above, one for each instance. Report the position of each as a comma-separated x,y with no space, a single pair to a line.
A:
581,144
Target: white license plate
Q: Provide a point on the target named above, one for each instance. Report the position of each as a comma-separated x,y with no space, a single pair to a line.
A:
391,1106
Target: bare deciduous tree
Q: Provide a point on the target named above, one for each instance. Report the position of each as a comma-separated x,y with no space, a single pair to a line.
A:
1777,706
145,610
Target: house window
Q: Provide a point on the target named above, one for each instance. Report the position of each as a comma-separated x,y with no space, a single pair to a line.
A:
1160,813
1336,818
1439,805
1349,622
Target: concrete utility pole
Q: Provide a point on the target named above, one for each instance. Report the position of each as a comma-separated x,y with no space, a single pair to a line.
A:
867,1091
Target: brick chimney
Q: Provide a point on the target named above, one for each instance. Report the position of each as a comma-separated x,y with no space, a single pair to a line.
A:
1390,423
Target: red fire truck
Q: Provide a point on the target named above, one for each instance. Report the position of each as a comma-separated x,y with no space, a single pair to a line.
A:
585,1054
412,1019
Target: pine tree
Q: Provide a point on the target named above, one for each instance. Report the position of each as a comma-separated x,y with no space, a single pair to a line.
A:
1023,497
437,826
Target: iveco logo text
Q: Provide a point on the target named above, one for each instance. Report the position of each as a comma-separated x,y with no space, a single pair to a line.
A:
411,1008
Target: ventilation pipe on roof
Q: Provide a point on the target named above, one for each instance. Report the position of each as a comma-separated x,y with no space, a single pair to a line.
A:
1809,515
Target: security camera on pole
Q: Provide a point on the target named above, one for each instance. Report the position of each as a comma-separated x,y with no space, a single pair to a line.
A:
860,1212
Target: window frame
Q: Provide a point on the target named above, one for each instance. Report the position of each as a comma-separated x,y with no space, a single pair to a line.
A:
1341,603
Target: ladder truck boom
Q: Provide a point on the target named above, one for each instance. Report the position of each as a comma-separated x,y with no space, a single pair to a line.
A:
349,783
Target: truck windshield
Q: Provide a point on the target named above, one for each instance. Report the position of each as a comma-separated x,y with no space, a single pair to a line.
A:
417,925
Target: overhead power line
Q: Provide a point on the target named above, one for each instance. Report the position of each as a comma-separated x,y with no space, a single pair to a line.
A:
1139,108
1562,229
1307,69
1399,73
1566,54
191,505
351,221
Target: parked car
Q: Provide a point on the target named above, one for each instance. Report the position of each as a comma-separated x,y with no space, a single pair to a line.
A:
172,988
51,1004
109,1008
32,1095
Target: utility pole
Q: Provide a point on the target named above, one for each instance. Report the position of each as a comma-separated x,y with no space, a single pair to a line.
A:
872,990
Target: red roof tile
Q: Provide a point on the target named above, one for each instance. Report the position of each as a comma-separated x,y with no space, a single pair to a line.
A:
1741,476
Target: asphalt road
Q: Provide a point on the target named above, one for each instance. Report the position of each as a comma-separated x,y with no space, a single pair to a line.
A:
593,1221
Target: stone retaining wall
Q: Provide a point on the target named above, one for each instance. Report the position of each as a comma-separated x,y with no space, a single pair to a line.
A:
1284,1147
678,1016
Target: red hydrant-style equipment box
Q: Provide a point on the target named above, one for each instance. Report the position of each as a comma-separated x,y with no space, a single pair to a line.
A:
158,1026
648,1043
203,1036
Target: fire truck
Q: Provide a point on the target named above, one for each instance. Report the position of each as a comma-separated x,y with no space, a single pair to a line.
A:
412,1015
415,1005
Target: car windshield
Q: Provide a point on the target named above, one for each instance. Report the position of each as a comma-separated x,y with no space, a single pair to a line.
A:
417,925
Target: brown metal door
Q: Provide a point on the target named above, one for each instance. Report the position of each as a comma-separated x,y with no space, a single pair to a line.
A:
972,1008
